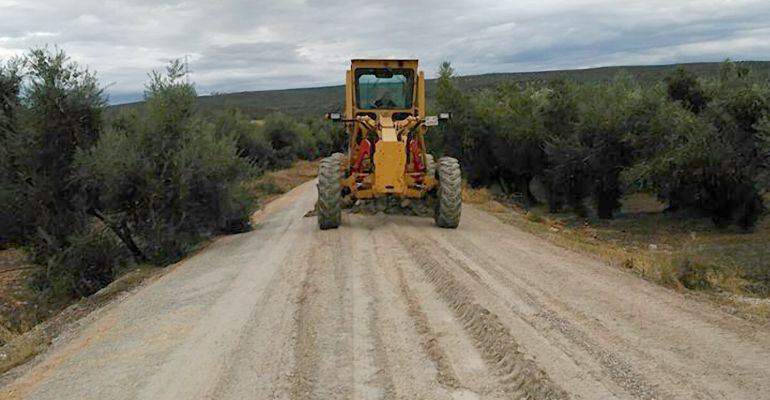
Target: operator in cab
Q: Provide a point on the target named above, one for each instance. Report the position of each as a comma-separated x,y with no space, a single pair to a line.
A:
384,100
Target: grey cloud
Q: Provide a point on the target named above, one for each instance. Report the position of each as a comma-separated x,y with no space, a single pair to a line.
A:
248,55
239,45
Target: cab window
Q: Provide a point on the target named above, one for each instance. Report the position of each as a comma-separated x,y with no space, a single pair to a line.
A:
384,89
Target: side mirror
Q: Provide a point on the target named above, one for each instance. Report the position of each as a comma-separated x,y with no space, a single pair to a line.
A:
333,116
445,116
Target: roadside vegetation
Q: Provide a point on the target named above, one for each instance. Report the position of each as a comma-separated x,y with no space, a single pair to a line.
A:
675,172
86,196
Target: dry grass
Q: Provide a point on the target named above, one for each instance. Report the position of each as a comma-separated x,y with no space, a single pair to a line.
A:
31,343
16,298
275,183
20,350
476,195
677,251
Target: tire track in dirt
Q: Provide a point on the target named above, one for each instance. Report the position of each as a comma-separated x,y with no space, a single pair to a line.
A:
304,376
342,380
419,361
519,375
620,371
260,364
445,374
323,349
383,378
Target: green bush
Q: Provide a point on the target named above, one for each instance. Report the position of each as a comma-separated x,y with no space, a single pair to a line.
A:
704,173
328,137
90,261
603,128
684,87
457,138
11,227
699,146
50,114
287,138
516,136
713,163
166,180
248,136
568,176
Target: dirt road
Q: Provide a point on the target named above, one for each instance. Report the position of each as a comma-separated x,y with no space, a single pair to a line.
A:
391,307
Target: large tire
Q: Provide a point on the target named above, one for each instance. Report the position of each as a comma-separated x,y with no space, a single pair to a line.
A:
330,192
449,193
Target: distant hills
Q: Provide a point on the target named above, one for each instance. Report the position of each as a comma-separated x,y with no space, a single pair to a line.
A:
314,102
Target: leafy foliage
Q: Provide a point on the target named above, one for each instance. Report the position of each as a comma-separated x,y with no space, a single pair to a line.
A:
702,147
167,180
51,108
684,86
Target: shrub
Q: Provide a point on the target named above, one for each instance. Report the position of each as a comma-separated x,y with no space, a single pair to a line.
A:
739,105
684,87
249,138
699,147
516,137
568,175
11,227
704,172
47,117
286,137
713,163
89,263
457,138
328,137
602,128
574,140
165,181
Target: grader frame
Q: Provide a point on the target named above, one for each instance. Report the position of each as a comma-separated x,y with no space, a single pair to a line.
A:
385,119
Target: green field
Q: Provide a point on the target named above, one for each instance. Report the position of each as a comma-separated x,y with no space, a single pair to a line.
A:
314,102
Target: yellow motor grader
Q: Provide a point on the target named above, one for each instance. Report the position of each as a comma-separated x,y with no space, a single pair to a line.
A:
386,124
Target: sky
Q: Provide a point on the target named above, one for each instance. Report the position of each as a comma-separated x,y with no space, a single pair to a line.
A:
240,45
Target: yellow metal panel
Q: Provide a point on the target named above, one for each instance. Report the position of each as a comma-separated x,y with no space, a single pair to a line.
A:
349,94
389,134
421,95
389,164
379,63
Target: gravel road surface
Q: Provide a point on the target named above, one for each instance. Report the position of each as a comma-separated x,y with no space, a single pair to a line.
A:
390,307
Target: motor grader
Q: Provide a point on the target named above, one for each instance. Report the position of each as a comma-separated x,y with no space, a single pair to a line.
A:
387,158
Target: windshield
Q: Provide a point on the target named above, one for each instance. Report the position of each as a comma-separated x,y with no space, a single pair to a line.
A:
384,88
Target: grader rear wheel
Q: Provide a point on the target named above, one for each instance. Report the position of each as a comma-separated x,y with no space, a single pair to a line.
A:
449,193
330,191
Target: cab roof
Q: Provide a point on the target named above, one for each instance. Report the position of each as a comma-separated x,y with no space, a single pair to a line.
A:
383,63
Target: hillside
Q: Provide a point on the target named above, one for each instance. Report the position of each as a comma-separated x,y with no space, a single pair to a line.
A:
313,102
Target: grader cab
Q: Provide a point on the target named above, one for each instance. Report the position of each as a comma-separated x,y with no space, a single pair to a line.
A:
386,125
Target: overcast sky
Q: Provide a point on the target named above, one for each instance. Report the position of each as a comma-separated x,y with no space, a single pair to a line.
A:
236,45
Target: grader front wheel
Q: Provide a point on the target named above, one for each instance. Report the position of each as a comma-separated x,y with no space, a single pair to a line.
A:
330,192
449,193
